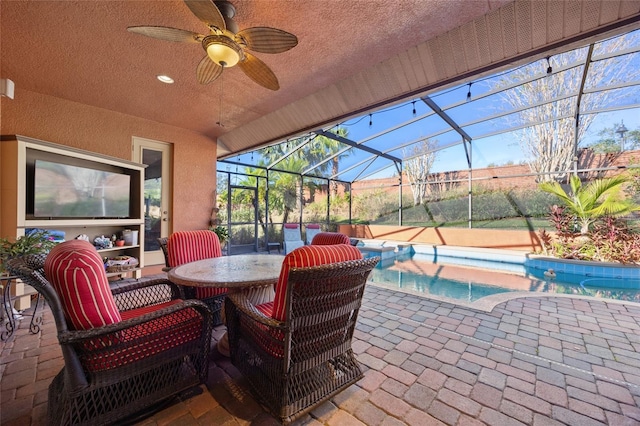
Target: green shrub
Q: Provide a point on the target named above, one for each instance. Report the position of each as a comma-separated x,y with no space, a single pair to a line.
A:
35,242
492,205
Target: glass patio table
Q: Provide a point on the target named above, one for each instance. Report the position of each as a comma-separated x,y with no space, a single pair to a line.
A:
255,273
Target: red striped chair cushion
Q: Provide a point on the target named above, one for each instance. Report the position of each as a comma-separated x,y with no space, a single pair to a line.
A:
76,271
329,238
266,309
144,340
189,246
313,255
137,312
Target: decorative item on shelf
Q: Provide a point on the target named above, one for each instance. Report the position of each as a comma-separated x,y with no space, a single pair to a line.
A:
53,234
102,242
130,237
120,264
84,237
119,243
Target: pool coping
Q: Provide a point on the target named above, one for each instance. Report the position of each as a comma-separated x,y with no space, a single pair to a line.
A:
488,303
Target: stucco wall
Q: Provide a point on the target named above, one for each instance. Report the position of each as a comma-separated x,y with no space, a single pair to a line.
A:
486,238
107,132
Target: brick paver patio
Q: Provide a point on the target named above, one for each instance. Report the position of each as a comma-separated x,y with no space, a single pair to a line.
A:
527,361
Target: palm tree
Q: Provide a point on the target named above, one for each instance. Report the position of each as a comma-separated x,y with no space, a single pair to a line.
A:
322,147
285,194
600,197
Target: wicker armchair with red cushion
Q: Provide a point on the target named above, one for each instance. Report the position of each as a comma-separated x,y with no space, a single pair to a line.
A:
329,238
126,346
296,350
189,246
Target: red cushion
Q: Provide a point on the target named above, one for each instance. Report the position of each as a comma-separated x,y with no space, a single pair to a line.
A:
329,238
266,309
308,256
144,340
205,292
76,271
189,246
291,225
133,313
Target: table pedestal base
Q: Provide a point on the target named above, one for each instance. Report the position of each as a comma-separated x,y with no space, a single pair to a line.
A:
255,273
223,345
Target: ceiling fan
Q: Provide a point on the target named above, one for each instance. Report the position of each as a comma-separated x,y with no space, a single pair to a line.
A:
225,45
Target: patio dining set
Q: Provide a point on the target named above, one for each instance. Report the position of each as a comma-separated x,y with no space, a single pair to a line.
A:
131,345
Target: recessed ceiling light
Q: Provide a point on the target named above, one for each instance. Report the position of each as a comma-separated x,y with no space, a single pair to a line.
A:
165,79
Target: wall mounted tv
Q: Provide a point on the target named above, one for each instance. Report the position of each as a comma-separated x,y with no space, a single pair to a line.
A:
66,191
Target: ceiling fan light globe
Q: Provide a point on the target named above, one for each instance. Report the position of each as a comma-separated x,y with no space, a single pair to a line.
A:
222,50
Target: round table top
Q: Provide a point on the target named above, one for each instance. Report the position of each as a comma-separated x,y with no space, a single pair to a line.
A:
238,271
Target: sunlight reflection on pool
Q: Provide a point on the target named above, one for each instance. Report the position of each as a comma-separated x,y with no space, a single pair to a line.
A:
444,276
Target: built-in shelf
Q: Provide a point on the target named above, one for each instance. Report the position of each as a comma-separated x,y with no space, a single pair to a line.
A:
124,273
117,248
18,155
80,223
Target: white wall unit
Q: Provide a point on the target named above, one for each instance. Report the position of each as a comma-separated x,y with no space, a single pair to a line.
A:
18,155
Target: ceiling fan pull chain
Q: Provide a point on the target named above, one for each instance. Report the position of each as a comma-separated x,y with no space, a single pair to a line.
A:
221,94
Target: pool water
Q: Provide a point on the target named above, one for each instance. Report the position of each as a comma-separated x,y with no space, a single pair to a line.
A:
459,279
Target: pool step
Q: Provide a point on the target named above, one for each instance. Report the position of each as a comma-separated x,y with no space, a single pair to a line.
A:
387,254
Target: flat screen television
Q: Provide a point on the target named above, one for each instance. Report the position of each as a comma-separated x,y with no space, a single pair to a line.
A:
66,191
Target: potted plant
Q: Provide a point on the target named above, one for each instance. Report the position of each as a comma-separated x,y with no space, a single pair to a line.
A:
35,242
222,232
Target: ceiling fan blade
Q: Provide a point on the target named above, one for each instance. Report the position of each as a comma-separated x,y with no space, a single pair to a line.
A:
259,72
266,40
207,71
168,34
207,12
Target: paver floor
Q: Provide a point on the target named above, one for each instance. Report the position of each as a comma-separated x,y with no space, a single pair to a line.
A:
528,361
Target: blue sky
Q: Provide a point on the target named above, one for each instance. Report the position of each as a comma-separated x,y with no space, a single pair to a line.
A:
479,107
503,148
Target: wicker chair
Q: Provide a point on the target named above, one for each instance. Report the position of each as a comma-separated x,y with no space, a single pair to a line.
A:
189,246
112,373
329,238
296,351
162,241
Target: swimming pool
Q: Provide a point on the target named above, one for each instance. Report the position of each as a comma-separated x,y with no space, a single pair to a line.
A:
468,279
